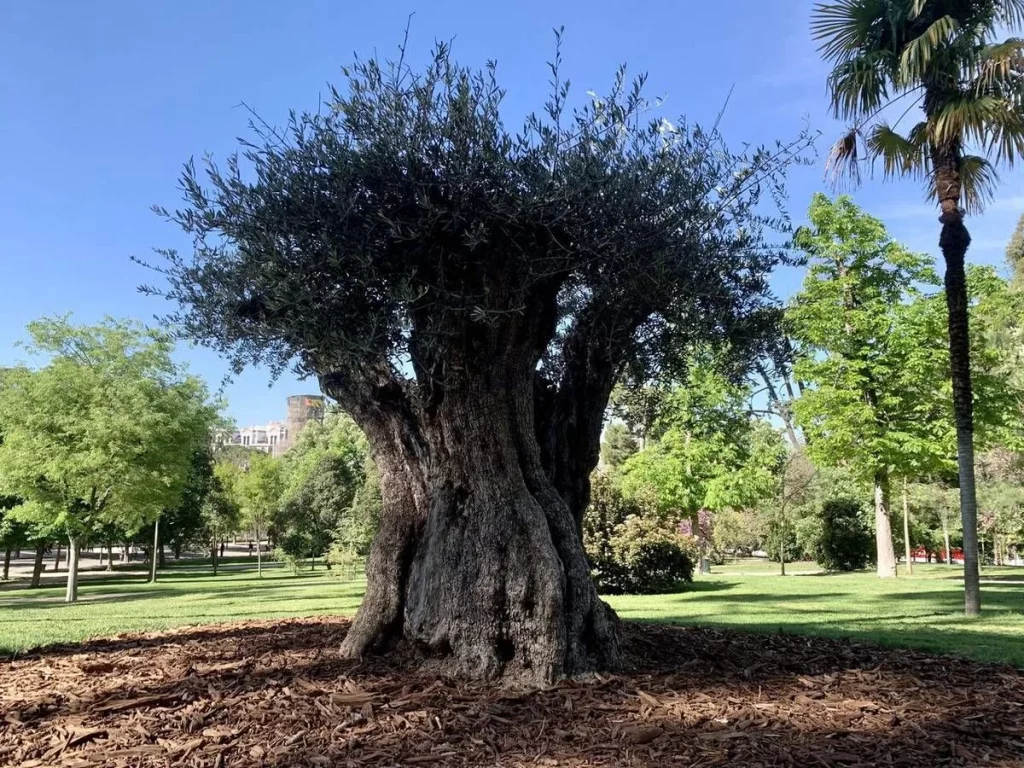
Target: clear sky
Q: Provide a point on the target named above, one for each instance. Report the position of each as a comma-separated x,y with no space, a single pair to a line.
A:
101,102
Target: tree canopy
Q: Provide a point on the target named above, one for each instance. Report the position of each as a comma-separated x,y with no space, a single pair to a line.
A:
106,430
470,295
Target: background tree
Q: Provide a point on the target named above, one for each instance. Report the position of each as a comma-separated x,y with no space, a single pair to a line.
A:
864,404
322,474
184,524
260,489
106,429
845,542
221,513
969,85
1015,253
618,445
470,296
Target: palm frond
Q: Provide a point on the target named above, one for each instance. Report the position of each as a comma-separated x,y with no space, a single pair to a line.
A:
918,53
964,115
860,85
845,26
978,181
1003,135
1010,13
844,158
900,155
999,71
916,7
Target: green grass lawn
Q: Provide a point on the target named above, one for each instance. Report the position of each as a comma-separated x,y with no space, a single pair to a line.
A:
921,611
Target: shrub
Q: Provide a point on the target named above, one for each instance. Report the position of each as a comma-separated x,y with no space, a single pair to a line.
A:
631,550
845,542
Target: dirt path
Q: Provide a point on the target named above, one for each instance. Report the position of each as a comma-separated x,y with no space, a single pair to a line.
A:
277,694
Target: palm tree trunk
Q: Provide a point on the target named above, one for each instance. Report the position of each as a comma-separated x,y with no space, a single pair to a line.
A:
954,241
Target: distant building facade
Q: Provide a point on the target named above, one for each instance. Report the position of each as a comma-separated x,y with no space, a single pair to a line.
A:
276,437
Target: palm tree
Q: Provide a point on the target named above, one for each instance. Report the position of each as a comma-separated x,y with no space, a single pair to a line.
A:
940,56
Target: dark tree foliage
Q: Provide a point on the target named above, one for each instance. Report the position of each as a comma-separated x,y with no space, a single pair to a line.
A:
618,445
470,296
845,541
184,525
305,524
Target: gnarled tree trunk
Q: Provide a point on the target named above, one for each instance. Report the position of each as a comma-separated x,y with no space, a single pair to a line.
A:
478,559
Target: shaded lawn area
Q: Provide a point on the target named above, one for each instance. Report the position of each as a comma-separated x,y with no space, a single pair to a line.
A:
920,612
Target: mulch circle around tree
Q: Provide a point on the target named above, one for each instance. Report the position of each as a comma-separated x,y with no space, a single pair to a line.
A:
276,693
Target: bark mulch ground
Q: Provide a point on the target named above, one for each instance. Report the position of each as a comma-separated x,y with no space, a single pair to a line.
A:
277,694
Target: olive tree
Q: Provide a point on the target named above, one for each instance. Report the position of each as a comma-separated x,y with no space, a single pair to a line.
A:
470,296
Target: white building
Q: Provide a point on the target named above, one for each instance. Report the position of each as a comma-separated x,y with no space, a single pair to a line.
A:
271,437
276,437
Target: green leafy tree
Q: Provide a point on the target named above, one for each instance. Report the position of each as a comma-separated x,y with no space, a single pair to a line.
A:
106,429
618,445
260,489
323,473
865,404
946,57
470,295
1015,253
220,510
844,542
184,524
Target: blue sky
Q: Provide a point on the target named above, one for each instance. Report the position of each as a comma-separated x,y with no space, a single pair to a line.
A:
102,102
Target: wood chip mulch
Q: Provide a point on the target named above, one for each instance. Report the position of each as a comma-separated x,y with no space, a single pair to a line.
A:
277,694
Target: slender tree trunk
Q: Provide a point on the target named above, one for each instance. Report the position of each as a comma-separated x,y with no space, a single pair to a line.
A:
74,554
38,565
945,537
782,409
110,557
56,559
906,529
213,556
259,554
883,528
7,564
156,546
954,242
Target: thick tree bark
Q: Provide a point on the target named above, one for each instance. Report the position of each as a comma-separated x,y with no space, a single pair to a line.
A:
478,559
74,553
883,528
38,565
